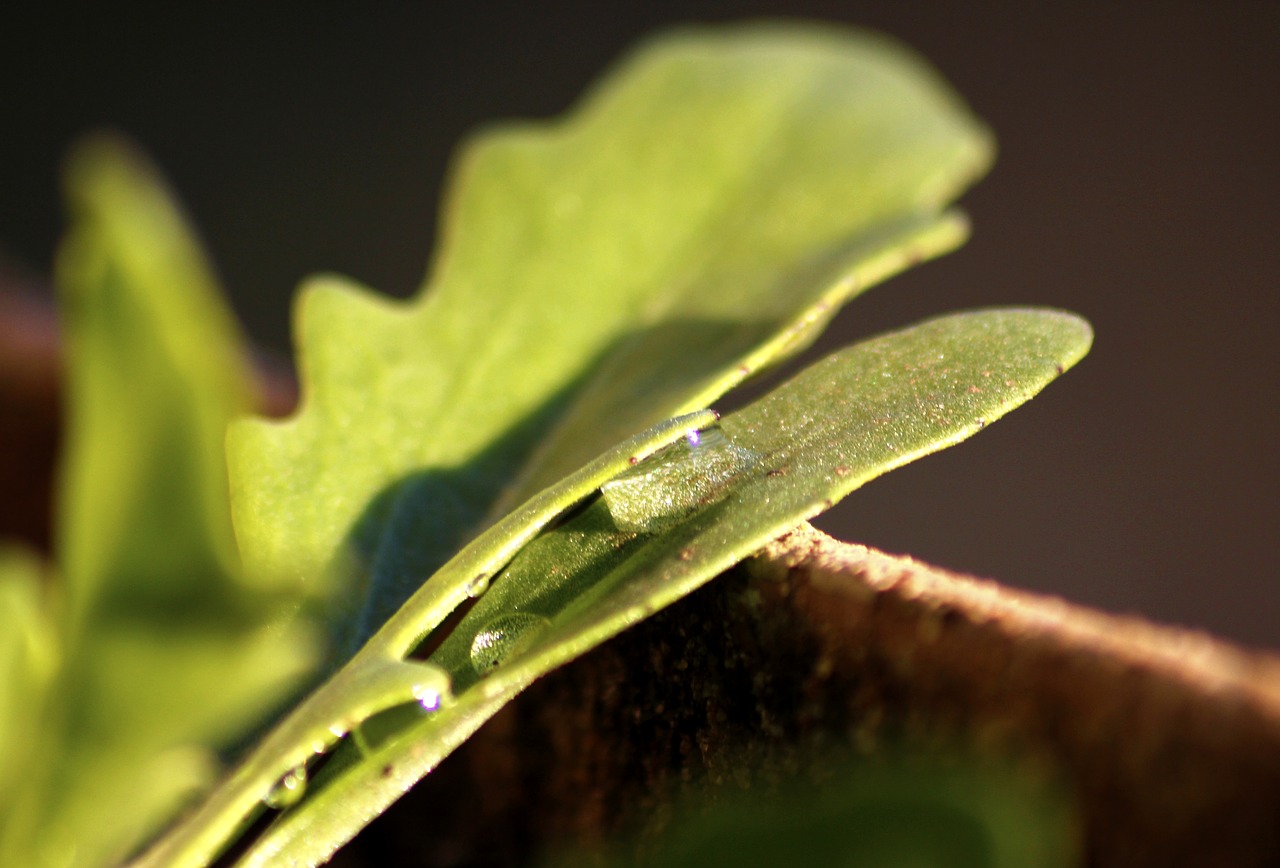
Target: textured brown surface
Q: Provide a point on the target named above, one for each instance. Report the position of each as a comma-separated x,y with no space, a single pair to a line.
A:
29,412
1170,739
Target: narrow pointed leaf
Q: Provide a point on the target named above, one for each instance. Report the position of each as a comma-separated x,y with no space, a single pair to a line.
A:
378,677
700,214
680,518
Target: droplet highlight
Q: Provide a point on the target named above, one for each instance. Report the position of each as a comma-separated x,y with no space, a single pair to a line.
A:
676,480
477,586
381,684
428,697
502,637
289,790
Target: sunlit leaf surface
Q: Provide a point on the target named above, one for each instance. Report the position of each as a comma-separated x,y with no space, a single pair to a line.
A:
687,513
701,213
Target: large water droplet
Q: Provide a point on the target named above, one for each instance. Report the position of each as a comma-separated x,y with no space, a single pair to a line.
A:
673,482
288,790
502,637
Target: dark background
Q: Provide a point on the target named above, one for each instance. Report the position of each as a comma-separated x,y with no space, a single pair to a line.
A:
1136,184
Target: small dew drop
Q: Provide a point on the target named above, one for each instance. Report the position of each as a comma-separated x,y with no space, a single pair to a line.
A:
478,585
337,730
318,747
503,637
288,790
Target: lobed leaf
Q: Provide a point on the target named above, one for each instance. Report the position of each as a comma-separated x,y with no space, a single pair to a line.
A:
684,516
700,215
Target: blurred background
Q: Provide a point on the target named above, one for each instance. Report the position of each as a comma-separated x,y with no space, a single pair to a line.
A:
1136,184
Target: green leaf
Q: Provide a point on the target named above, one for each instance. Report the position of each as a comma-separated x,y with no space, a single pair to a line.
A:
166,653
156,370
28,658
701,214
378,677
940,812
680,518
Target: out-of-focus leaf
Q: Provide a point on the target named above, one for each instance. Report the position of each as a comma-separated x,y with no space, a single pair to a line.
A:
701,214
682,517
166,653
937,813
28,657
156,370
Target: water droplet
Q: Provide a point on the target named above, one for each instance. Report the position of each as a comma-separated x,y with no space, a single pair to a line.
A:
478,585
288,790
502,637
675,481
